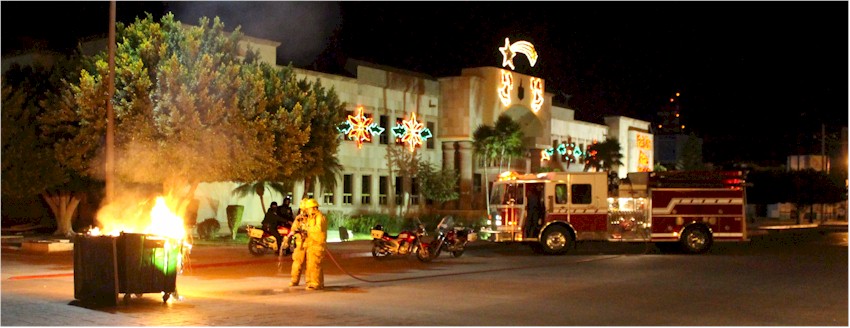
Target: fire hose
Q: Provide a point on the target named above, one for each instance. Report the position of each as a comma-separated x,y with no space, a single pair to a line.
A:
459,273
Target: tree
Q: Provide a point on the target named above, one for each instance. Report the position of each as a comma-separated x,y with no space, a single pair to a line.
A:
483,145
438,185
29,165
691,159
322,113
502,140
188,109
405,164
507,139
604,156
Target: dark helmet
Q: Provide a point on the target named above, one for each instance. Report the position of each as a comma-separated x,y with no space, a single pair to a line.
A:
273,204
379,227
287,199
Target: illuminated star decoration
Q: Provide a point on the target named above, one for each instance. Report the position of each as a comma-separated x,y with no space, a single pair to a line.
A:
509,51
412,132
507,87
359,128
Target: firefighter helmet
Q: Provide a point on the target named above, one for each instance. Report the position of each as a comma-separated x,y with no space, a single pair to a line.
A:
310,202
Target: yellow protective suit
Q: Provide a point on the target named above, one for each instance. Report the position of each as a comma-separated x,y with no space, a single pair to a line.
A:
316,244
299,254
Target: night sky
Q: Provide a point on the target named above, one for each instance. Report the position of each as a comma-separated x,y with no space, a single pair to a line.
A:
757,78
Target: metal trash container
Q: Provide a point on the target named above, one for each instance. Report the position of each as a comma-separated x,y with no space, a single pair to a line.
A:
96,269
148,264
131,263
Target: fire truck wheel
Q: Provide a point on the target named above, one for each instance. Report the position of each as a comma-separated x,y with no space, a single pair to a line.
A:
556,240
696,240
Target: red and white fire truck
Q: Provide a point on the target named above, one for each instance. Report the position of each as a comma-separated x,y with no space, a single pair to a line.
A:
687,209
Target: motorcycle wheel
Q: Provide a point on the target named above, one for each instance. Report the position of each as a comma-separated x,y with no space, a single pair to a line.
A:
423,253
256,248
378,252
457,253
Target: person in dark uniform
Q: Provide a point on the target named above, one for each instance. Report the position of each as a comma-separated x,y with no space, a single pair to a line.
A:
535,209
271,221
285,211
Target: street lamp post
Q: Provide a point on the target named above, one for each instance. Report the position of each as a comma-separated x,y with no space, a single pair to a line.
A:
110,114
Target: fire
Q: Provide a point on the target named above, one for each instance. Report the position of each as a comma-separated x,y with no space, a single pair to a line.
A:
164,222
161,221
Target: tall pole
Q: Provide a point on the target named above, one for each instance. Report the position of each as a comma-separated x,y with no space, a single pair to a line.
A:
823,163
110,114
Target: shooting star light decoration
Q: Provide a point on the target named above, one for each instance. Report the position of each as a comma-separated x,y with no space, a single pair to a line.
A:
509,51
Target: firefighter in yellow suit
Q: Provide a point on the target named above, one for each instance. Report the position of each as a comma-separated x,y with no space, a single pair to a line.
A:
299,254
316,244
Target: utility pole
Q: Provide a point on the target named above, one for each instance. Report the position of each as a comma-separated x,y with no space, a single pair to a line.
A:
110,114
823,163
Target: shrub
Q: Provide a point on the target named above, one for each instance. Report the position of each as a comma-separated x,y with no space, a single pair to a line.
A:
208,229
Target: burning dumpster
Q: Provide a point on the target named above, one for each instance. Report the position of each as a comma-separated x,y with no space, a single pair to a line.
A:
96,269
150,264
131,263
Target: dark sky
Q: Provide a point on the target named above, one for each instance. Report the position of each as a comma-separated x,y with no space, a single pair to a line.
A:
757,78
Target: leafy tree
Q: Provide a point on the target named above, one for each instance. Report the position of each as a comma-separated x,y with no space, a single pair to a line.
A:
438,185
322,113
29,165
405,164
188,109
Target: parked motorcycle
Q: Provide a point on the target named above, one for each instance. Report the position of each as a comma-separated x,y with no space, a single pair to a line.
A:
261,242
451,238
405,243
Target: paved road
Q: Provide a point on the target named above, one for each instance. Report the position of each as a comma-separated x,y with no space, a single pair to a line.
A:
782,278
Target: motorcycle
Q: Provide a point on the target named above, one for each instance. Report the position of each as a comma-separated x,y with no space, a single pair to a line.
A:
405,243
261,242
451,238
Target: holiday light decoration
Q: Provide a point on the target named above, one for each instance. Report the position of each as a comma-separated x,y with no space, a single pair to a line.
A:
507,87
537,93
509,51
359,128
562,149
412,132
546,154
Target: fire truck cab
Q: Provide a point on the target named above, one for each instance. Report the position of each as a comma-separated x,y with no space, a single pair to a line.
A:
686,209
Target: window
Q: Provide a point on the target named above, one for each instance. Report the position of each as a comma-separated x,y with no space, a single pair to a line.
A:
346,188
328,198
476,183
383,186
581,194
366,190
385,123
561,193
414,192
430,141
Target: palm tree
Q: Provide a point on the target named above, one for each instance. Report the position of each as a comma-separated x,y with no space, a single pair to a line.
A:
482,145
508,139
604,156
259,188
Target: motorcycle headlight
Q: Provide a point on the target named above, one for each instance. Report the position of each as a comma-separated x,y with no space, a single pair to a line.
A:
498,219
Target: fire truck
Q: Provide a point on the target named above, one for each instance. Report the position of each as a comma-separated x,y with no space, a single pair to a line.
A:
675,210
